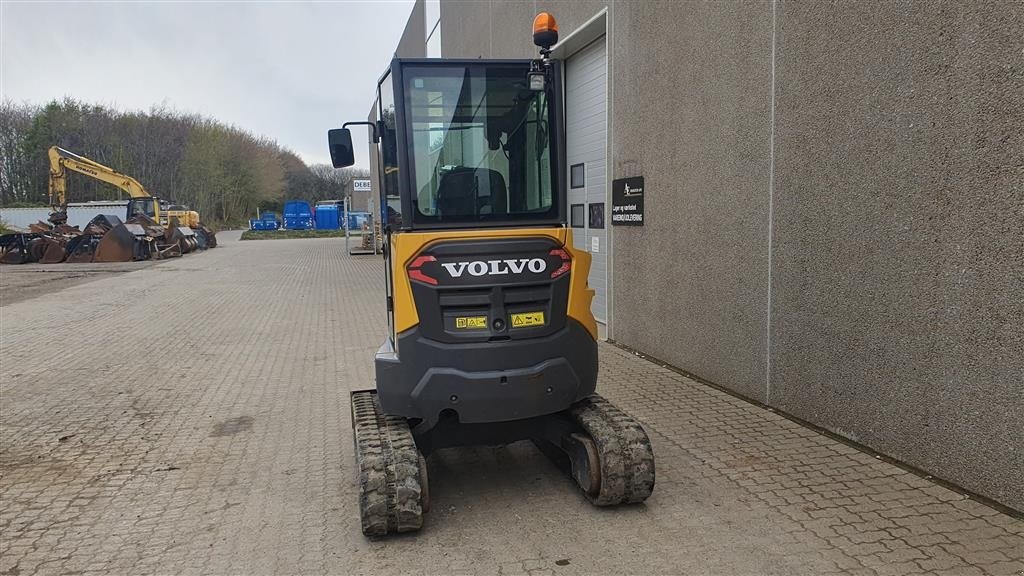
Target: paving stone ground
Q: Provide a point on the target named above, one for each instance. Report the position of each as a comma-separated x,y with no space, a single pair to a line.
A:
192,417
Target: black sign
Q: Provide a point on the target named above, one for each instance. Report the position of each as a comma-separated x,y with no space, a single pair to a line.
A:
628,201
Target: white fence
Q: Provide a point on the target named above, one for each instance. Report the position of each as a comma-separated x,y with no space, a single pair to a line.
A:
79,214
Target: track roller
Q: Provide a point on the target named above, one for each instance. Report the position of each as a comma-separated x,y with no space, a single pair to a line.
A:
613,463
392,473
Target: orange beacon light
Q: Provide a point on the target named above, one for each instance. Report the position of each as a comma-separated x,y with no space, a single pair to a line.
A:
545,30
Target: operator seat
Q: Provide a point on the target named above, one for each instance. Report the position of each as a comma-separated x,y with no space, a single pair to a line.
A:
466,191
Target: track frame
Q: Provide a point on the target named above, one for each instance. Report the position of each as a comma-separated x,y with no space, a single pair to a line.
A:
606,451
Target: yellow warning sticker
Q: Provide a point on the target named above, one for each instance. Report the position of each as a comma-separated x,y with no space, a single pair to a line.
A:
527,319
471,322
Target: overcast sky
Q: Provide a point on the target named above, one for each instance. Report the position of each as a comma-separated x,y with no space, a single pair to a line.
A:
285,70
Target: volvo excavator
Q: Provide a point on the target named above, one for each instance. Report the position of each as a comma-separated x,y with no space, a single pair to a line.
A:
491,339
141,202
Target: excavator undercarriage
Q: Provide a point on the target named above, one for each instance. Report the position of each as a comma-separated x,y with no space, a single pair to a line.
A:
604,450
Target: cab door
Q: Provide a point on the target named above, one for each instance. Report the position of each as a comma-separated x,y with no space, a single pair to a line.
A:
389,212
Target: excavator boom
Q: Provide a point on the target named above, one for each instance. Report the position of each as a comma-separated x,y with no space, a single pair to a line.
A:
62,160
142,202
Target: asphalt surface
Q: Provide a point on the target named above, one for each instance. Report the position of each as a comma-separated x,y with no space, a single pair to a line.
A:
192,417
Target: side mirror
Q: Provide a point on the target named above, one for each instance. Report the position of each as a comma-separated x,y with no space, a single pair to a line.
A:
340,142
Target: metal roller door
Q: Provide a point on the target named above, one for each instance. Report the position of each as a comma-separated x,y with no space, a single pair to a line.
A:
586,127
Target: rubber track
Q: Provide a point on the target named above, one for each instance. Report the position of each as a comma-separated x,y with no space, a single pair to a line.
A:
627,459
389,472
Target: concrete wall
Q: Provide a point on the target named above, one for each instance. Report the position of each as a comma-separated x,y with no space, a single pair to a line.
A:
482,29
705,160
413,41
898,232
412,44
693,116
835,210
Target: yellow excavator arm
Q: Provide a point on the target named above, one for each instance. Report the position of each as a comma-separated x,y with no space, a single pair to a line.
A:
61,161
141,201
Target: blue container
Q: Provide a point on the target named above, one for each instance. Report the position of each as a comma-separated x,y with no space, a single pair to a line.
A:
328,217
266,221
298,215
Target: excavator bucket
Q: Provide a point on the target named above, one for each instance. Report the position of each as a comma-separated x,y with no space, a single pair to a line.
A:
184,237
124,243
142,220
52,248
82,248
207,237
101,224
37,248
160,246
163,251
14,248
58,217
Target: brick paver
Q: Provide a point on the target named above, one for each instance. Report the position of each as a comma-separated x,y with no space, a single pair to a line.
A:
192,417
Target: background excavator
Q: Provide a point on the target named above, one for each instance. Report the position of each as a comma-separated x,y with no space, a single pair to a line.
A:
182,225
150,229
142,202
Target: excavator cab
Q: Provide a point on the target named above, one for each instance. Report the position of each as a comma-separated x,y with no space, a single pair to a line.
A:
147,206
491,338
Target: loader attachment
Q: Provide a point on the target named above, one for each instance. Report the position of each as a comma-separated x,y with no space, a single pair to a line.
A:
14,248
52,249
207,238
124,243
165,251
184,237
82,248
161,244
58,217
36,248
101,223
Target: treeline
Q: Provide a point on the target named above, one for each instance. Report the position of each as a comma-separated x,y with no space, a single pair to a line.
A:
224,172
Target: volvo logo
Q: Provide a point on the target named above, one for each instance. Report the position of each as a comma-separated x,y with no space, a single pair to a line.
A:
495,267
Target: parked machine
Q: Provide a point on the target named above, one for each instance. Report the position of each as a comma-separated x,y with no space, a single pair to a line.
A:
151,228
266,221
141,202
491,338
298,215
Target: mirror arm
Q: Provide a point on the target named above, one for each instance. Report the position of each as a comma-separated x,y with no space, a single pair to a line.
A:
372,125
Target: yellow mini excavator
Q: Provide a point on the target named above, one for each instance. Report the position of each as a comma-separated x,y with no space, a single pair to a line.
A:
491,338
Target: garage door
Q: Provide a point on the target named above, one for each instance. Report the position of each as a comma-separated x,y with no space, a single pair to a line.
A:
586,128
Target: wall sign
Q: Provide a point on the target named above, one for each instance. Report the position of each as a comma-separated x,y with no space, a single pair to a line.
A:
361,185
628,201
596,215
